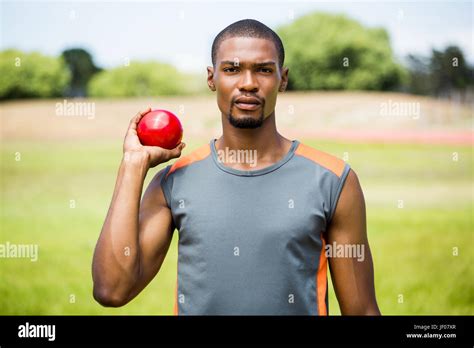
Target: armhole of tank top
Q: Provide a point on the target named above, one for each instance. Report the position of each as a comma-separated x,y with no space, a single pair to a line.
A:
341,181
164,183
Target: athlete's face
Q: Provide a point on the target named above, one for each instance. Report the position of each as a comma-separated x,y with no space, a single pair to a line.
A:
247,79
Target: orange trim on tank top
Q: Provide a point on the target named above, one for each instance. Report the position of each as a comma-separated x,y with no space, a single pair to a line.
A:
321,280
324,159
197,155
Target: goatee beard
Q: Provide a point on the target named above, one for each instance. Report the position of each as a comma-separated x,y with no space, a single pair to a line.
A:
245,122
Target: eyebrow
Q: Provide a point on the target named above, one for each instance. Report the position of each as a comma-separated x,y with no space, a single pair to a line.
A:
254,65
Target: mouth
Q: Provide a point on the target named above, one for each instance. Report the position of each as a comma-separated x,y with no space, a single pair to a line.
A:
247,103
247,106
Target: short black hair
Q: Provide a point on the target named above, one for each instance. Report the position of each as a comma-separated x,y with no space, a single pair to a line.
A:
249,28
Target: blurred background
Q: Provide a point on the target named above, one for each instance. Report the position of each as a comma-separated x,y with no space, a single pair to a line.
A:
386,86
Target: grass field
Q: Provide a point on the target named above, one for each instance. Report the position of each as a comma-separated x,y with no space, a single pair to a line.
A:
412,246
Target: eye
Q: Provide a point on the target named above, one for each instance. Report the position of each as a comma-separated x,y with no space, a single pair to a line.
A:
265,70
230,69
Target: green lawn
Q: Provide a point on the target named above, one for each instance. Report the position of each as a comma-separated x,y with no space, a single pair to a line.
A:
412,246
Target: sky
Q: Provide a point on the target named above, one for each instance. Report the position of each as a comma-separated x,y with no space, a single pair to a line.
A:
181,32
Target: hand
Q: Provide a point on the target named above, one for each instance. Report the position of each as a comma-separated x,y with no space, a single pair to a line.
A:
154,154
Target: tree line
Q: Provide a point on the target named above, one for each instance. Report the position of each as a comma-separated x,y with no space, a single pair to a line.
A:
323,52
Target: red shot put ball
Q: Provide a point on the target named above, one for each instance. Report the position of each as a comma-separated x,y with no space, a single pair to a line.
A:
160,128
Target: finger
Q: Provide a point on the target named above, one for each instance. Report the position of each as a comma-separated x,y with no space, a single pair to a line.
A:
166,154
134,121
176,152
144,112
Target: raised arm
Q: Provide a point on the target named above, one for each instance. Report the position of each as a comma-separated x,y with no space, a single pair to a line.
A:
135,236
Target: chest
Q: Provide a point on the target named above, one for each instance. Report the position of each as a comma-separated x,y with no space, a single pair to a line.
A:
256,212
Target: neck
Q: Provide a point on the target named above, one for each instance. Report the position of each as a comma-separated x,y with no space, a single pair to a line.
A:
270,145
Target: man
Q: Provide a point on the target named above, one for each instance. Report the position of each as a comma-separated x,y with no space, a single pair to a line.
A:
252,233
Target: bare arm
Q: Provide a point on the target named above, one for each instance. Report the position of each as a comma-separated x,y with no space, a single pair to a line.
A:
135,236
353,278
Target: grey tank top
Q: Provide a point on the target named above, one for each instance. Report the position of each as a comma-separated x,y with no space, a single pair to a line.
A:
252,242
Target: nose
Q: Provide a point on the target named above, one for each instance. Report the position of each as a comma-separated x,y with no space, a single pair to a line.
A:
248,82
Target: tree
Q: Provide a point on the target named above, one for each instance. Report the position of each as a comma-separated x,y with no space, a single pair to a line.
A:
82,68
31,75
138,79
326,51
420,75
449,70
441,73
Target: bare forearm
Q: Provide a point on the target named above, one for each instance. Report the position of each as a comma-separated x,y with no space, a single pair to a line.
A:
353,282
116,264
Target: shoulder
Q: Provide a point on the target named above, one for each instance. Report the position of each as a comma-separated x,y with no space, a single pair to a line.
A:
352,191
321,158
351,201
197,155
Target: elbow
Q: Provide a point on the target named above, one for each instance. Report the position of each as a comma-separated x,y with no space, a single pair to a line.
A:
372,310
108,298
369,309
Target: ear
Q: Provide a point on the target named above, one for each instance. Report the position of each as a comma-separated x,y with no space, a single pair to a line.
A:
210,78
284,80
